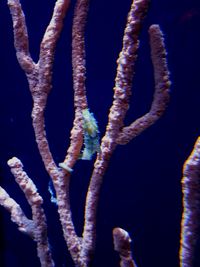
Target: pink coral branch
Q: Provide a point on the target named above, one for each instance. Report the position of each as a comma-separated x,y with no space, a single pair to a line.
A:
162,85
39,75
38,223
80,103
191,203
40,84
122,244
79,76
21,36
17,215
122,91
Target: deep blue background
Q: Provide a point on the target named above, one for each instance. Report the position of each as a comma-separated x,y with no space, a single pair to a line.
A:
141,191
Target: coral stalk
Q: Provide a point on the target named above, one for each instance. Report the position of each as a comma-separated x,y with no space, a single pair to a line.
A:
122,92
191,203
37,227
122,245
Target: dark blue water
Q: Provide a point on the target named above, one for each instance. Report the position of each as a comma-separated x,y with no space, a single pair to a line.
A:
141,191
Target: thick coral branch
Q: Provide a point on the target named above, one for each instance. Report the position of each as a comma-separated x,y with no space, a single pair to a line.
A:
21,36
40,84
122,91
39,226
122,245
17,215
162,85
48,44
191,206
80,103
125,69
79,76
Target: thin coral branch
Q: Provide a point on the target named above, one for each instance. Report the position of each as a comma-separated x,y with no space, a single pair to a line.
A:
25,183
162,85
122,244
122,91
17,215
48,44
80,103
125,69
40,84
39,78
191,203
39,226
21,36
79,76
